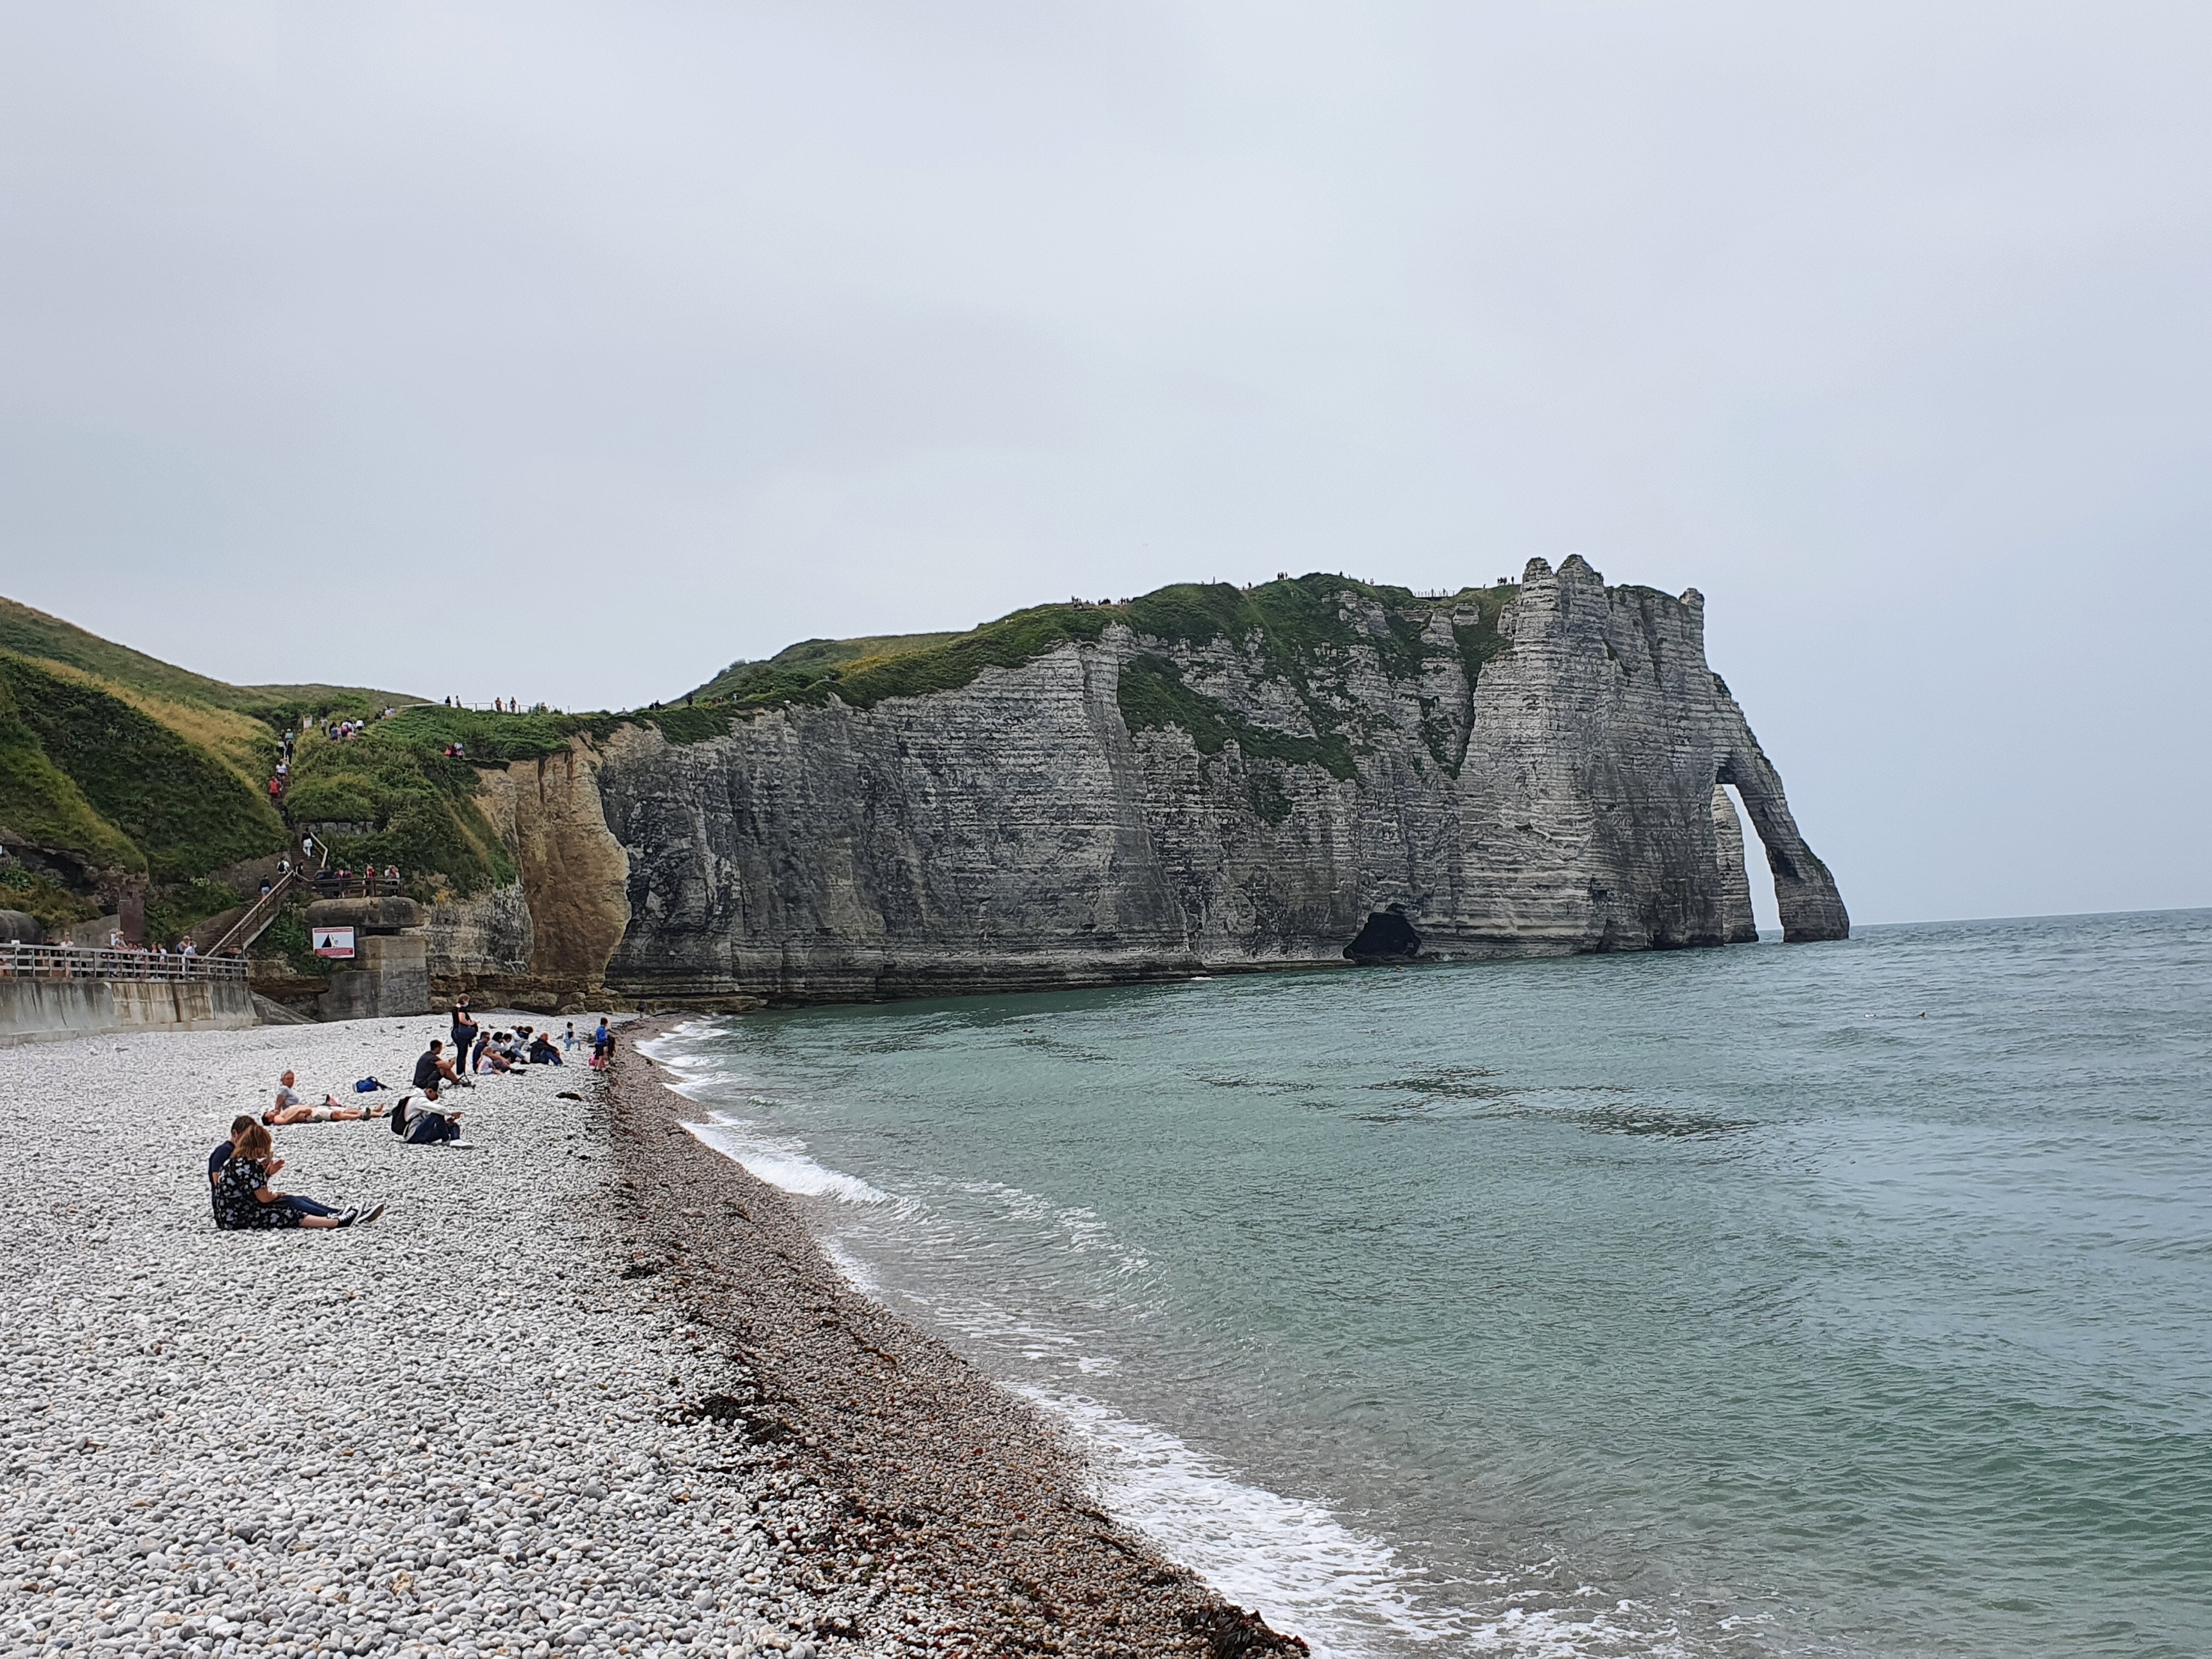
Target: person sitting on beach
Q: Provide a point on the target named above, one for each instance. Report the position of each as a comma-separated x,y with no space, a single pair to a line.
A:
491,1053
425,1123
291,1109
220,1157
245,1201
433,1071
542,1051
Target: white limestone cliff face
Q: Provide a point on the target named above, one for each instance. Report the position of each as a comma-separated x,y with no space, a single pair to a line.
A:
1738,925
1016,832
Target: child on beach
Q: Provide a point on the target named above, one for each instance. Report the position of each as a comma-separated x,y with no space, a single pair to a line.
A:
492,1052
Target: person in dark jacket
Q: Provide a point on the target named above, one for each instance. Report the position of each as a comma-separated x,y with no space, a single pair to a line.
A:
427,1123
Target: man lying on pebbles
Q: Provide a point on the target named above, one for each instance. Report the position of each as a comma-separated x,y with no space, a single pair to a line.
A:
489,1425
289,1108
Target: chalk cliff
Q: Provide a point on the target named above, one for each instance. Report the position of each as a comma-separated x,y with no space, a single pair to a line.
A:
1526,769
552,931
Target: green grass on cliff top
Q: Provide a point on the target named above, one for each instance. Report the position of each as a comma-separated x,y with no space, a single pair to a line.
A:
813,655
1294,622
33,633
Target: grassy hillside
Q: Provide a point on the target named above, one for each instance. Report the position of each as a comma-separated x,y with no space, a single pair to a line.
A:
395,776
115,766
41,804
182,810
33,633
809,658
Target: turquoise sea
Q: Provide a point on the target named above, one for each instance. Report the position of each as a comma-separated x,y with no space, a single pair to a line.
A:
1838,1299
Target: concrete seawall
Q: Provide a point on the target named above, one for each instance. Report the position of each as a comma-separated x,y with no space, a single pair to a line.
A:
50,1009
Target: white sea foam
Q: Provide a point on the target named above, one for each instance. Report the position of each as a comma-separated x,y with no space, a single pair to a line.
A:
784,1164
1296,1564
1306,1570
682,1052
855,1271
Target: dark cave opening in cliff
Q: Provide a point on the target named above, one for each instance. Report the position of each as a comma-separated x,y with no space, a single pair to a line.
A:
1387,937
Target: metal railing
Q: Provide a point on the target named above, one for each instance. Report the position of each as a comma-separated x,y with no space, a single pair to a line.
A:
88,962
264,910
330,884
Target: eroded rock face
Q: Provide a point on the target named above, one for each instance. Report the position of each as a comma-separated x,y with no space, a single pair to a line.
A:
1738,925
574,873
481,942
1556,796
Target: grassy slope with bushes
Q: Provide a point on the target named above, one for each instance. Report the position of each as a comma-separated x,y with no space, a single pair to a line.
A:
397,776
42,804
114,762
180,808
741,677
424,805
33,633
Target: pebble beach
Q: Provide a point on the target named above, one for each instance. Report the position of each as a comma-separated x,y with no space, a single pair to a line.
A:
586,1388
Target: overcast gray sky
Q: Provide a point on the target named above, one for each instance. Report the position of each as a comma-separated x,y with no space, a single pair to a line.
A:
573,351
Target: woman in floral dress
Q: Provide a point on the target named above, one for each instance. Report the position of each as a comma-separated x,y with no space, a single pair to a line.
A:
243,1198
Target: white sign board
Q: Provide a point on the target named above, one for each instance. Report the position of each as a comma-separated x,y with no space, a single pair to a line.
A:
333,941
